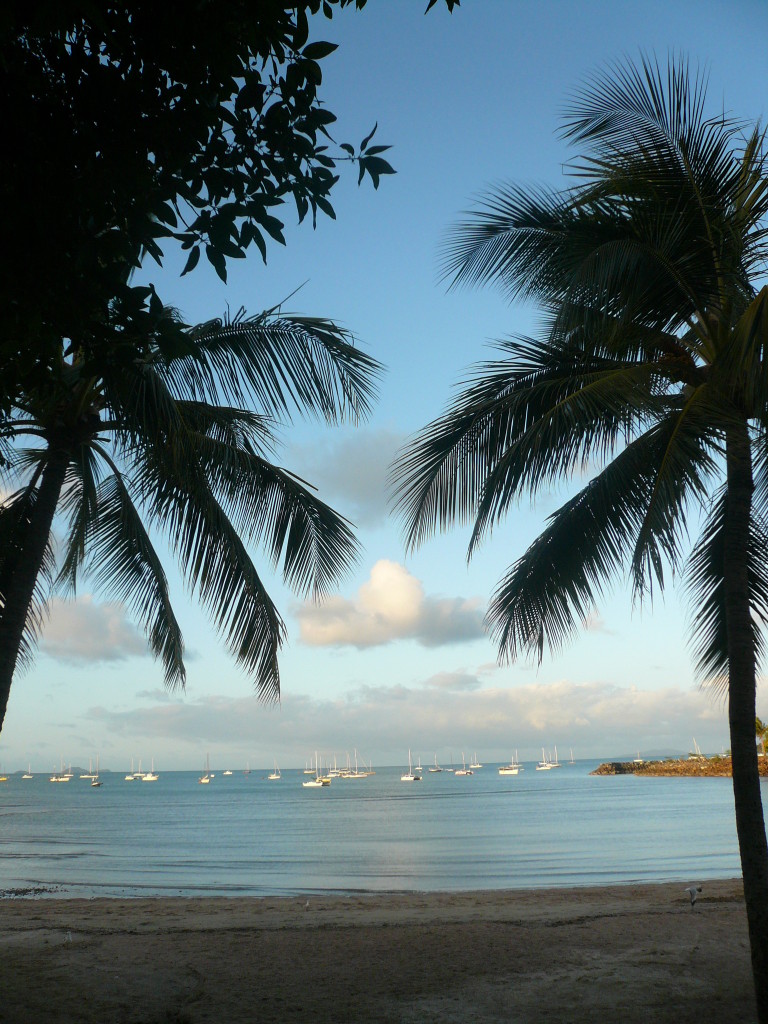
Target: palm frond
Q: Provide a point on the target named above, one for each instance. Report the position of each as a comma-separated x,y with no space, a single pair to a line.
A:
215,564
241,428
522,422
549,593
142,407
705,587
123,564
587,249
284,364
585,425
15,515
684,464
80,504
743,359
513,241
667,216
626,108
6,451
272,507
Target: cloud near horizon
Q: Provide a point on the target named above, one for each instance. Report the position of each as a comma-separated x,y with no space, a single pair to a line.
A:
390,606
87,631
596,719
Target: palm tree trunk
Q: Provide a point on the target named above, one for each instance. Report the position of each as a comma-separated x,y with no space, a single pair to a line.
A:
750,824
22,568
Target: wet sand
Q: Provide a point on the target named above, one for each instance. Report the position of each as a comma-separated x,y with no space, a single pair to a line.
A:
634,955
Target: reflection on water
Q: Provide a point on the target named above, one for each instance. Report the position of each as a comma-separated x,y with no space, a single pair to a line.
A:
245,835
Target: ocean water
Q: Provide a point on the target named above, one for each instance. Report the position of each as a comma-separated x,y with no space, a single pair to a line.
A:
245,835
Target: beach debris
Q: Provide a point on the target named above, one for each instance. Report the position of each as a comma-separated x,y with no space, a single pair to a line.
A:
68,939
693,891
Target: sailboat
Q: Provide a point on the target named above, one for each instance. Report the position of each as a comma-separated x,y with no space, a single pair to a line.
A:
555,763
319,780
409,775
95,780
28,773
60,776
150,775
206,777
463,770
544,765
356,774
696,754
572,760
475,763
276,773
437,767
247,769
512,768
90,774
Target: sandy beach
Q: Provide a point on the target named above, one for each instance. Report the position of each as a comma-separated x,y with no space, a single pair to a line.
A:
621,953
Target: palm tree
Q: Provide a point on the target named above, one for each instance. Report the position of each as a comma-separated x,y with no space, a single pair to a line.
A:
651,373
177,440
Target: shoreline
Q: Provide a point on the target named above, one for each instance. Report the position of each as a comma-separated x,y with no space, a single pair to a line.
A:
55,894
634,952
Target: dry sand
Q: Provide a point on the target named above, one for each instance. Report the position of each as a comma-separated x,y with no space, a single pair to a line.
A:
615,954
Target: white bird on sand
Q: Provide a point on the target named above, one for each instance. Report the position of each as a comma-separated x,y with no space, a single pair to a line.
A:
306,905
693,891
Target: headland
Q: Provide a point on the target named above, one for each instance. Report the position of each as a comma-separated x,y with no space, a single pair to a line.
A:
700,767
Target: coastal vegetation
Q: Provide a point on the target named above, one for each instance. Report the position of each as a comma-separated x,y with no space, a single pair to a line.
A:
650,377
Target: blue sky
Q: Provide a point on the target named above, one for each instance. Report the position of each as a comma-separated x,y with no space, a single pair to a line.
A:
398,658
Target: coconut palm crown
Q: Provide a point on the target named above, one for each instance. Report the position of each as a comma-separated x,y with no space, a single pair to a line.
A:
650,375
180,441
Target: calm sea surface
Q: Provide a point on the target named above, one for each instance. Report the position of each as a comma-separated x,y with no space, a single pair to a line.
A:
245,835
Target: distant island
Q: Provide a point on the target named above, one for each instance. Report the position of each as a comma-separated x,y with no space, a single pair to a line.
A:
719,765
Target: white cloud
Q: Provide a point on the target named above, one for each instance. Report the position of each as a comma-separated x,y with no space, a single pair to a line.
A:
391,605
86,631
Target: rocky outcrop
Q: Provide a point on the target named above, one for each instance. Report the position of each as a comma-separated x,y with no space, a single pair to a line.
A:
705,767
